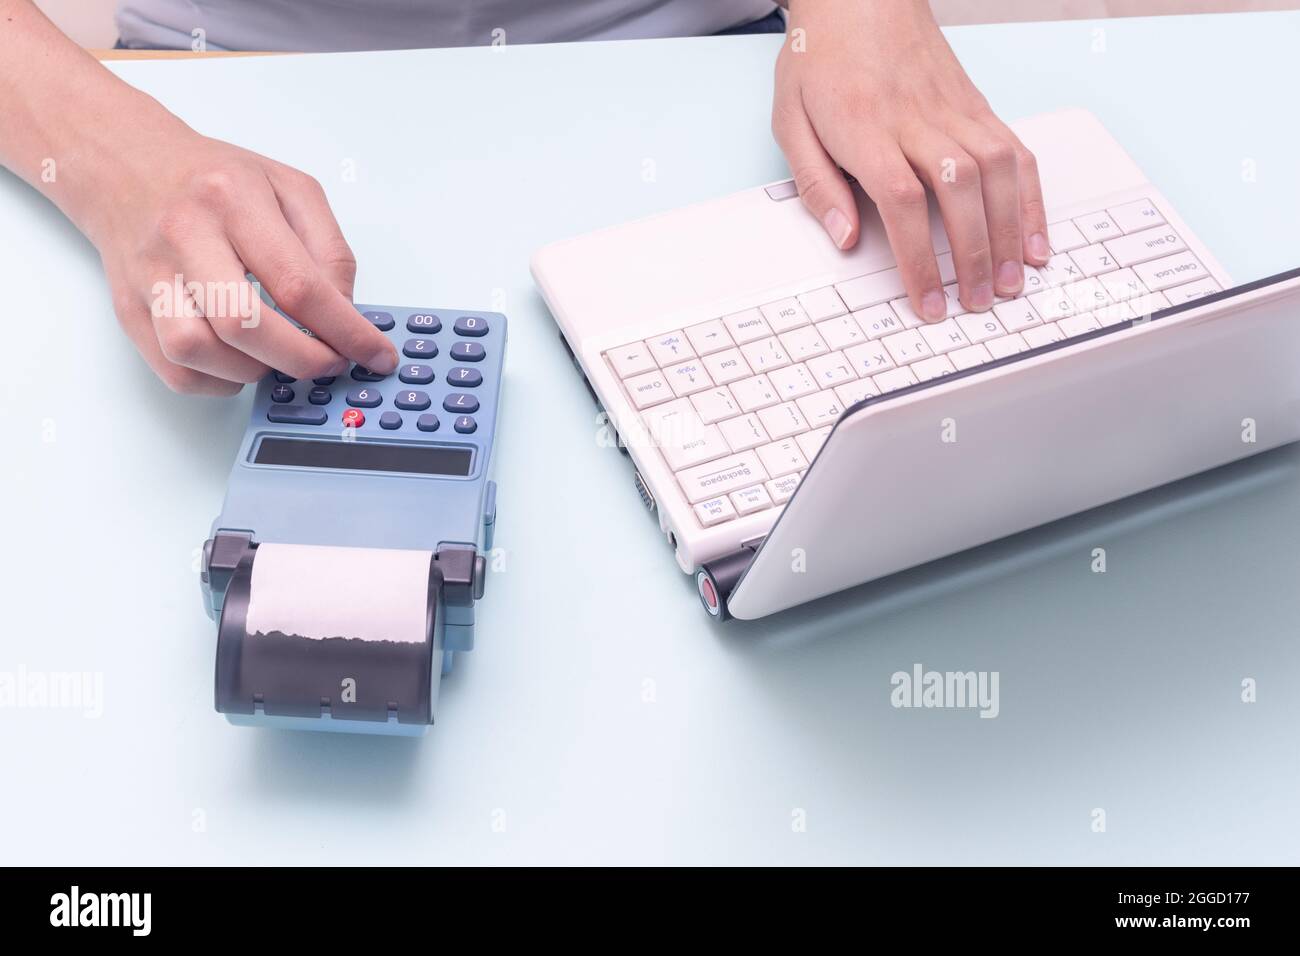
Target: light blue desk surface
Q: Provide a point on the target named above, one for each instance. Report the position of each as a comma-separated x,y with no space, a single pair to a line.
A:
602,718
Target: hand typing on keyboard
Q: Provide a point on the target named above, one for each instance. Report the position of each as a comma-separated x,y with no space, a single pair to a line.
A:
874,88
739,405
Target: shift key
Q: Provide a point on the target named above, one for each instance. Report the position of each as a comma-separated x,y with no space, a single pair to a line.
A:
721,477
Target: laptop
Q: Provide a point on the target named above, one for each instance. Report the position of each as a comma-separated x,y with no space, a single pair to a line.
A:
798,430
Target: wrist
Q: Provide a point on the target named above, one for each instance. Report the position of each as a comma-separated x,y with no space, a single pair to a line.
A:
107,167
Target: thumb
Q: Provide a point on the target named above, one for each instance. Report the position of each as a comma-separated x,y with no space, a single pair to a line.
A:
822,186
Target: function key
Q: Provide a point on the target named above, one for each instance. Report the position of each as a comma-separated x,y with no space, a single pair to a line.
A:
281,394
383,321
465,377
354,418
296,415
460,402
364,397
467,352
412,401
284,379
319,396
424,323
466,425
362,374
390,420
420,348
471,325
416,374
327,380
427,423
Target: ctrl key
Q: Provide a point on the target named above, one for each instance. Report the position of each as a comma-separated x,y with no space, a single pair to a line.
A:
296,415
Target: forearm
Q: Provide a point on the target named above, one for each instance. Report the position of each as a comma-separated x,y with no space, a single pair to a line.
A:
63,116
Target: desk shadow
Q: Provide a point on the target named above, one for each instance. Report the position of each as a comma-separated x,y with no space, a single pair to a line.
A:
843,615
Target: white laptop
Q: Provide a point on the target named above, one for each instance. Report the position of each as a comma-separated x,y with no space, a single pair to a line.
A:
800,431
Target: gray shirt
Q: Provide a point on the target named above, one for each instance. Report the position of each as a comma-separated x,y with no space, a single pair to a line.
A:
319,25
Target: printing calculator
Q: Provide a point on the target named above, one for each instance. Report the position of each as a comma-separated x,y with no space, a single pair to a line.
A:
377,468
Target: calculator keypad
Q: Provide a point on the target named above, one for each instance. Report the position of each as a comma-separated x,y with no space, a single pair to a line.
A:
448,367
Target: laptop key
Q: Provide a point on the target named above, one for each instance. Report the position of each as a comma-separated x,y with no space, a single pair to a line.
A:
1136,216
628,360
721,477
1146,245
649,389
715,511
749,500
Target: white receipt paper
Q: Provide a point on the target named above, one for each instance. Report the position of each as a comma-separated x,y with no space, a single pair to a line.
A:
368,594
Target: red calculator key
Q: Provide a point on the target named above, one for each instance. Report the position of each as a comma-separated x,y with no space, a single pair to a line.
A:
354,418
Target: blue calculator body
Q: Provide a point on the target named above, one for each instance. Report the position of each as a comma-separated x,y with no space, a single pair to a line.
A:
368,461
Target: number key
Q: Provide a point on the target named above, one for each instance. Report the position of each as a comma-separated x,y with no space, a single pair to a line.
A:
471,325
467,352
465,377
364,398
412,401
420,348
416,374
424,322
460,402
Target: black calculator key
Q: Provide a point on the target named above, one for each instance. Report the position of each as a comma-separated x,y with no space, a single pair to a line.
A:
281,394
466,425
364,397
416,374
465,377
423,322
471,325
284,379
467,352
296,415
390,420
460,402
362,374
383,321
420,348
412,401
319,396
327,380
427,423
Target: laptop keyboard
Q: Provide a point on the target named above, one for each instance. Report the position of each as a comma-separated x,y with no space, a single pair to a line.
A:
740,404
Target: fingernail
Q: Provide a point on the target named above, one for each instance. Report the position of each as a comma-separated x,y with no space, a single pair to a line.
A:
837,226
1011,277
339,367
933,305
383,361
981,297
1038,247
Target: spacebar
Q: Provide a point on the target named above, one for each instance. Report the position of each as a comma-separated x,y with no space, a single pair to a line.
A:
721,476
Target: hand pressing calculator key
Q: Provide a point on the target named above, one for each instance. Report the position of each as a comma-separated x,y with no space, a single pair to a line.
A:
361,474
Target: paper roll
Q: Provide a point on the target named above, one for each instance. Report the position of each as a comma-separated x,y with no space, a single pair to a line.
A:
366,594
343,633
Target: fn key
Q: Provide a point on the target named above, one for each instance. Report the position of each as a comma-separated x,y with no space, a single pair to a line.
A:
297,415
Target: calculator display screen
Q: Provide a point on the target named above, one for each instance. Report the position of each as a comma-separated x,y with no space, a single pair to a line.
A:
364,456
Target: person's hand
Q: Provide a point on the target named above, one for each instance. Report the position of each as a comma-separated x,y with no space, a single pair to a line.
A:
175,212
874,88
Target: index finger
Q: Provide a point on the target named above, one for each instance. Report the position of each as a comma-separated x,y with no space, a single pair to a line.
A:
273,252
889,180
